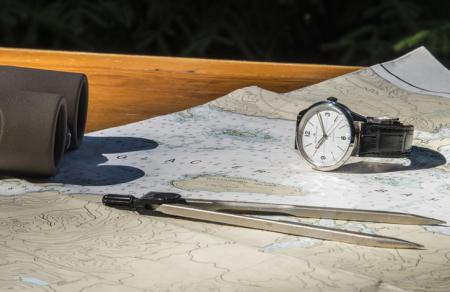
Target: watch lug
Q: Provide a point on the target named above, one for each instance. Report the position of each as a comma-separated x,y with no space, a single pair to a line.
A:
300,115
359,118
383,120
299,118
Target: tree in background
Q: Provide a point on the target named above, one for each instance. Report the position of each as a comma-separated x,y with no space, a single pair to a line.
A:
314,31
374,31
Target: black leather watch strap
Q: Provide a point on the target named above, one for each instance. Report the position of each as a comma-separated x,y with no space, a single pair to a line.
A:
385,140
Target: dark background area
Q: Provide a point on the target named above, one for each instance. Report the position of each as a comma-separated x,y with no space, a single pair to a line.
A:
311,31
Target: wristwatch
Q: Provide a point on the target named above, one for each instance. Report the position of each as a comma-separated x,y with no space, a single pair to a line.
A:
328,133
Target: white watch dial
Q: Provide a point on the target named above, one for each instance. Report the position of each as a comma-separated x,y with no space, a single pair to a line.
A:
324,137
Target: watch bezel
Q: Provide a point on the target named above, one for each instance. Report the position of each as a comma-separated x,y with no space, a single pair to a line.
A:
323,105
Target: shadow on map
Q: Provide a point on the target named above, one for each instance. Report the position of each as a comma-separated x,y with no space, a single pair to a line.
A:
421,158
82,166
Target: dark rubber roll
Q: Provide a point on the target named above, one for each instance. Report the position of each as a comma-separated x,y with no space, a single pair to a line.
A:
33,132
72,86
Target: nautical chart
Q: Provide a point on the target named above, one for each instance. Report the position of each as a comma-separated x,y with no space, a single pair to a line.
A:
239,147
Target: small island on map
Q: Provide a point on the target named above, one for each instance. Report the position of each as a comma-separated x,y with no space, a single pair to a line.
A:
216,183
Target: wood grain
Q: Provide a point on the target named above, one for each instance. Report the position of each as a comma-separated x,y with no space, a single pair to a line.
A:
126,88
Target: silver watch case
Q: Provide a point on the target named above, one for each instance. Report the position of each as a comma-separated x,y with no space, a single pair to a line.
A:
312,110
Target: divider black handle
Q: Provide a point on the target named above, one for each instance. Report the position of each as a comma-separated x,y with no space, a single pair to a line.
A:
144,203
119,201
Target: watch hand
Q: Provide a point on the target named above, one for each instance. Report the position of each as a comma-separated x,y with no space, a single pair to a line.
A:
320,142
315,151
321,124
335,127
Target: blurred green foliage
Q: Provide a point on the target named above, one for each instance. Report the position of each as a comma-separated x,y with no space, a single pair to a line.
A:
314,31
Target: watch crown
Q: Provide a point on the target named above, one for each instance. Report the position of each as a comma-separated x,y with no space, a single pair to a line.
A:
332,99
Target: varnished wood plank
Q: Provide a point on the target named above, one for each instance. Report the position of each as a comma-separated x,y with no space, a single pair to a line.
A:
127,88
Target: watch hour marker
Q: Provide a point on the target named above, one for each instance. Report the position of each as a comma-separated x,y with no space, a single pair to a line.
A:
340,148
309,144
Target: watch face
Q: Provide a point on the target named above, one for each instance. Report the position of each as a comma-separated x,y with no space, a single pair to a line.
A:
325,136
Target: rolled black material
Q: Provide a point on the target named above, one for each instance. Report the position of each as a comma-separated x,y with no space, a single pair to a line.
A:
71,86
33,132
